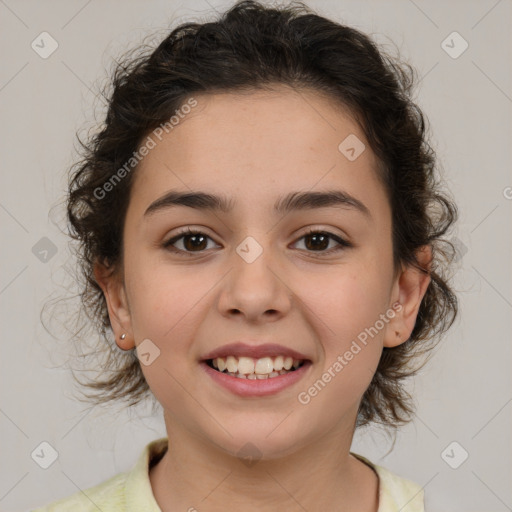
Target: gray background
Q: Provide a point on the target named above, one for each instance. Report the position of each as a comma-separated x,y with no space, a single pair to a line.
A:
464,395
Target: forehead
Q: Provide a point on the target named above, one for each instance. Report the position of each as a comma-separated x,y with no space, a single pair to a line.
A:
258,144
283,124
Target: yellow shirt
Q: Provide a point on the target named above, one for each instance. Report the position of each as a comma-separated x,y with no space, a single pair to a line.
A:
131,491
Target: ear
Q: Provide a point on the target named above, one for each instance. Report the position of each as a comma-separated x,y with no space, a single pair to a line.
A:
117,304
408,290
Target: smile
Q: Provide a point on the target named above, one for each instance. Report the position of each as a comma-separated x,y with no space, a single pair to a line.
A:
247,376
252,368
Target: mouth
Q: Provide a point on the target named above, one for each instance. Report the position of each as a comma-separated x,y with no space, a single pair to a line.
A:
248,369
249,377
255,369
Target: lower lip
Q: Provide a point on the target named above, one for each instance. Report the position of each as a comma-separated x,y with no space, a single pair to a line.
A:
256,387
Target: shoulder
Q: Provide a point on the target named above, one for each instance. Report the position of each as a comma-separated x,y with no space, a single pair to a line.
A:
396,492
125,492
107,496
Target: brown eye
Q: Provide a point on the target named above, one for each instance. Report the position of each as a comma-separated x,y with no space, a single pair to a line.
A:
191,241
318,241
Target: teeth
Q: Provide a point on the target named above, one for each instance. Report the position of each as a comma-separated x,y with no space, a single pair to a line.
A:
288,363
231,364
278,363
253,376
248,367
265,365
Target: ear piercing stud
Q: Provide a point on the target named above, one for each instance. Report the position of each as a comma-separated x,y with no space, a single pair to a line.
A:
123,336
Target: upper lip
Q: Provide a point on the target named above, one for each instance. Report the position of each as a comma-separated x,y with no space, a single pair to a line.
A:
240,349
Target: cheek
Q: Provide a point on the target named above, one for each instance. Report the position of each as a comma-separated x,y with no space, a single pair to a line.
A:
165,308
347,301
346,309
344,312
164,296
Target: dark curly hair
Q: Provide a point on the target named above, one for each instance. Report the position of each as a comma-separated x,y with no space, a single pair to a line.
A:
254,47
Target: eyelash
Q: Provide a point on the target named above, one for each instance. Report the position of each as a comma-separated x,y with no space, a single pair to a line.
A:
343,244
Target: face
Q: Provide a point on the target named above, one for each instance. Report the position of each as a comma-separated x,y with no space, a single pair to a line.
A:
255,274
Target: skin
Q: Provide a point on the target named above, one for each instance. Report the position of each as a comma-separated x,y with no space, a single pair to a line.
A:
255,147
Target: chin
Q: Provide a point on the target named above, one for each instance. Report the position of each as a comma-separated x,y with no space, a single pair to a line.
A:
252,444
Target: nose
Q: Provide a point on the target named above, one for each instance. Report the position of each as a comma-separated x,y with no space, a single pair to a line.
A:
256,288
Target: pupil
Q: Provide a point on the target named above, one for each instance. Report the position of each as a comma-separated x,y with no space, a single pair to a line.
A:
316,236
194,245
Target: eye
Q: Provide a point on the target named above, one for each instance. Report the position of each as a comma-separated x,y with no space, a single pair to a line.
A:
194,241
191,240
318,241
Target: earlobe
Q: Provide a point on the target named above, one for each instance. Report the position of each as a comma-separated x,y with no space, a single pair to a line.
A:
117,305
409,289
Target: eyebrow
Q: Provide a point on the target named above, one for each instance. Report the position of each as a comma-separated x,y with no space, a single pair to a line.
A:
291,202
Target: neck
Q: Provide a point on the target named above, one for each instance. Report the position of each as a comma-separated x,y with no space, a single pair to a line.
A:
194,474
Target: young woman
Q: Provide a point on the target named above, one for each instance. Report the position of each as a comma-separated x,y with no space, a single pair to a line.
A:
261,227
